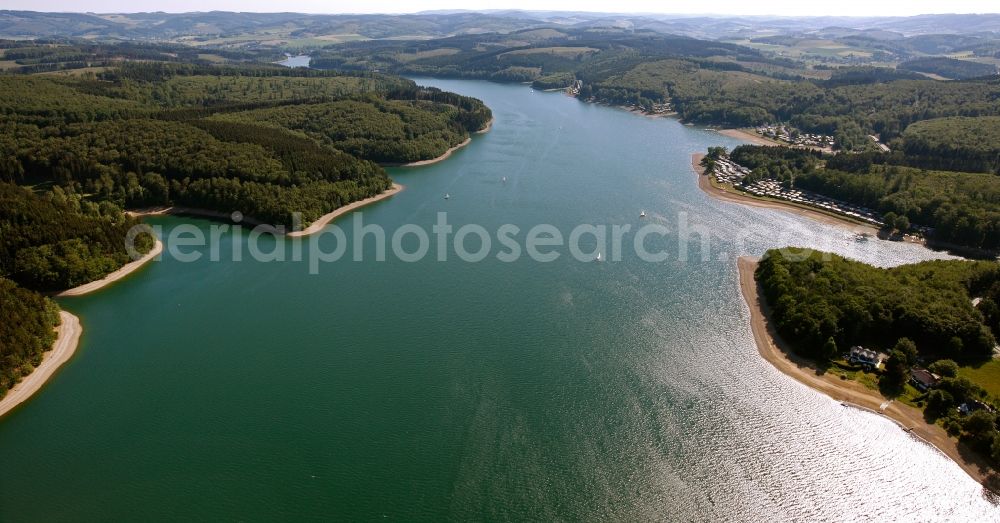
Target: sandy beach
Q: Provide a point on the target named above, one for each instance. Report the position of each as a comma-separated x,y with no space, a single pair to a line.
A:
218,215
124,271
640,112
705,183
486,129
63,348
439,158
777,353
322,221
318,225
757,139
753,138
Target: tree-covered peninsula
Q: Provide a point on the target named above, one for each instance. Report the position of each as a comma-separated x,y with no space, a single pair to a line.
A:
934,326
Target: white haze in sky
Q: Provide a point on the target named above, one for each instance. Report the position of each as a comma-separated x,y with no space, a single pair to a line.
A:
733,7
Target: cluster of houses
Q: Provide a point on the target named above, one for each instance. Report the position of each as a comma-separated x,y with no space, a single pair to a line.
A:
728,171
663,108
789,135
773,189
925,380
921,378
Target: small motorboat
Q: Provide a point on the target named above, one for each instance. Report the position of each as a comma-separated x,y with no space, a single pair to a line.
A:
447,196
642,214
598,256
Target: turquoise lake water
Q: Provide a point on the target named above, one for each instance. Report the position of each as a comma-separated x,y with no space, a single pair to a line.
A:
625,390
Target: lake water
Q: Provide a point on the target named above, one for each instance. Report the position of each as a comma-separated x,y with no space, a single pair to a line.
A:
302,60
432,390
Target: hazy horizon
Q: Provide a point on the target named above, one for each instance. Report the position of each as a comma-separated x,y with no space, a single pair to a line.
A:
844,8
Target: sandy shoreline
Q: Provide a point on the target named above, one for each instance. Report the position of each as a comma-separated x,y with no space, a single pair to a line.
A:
63,348
122,272
441,158
486,129
318,225
757,139
312,228
322,221
777,353
705,184
753,138
640,112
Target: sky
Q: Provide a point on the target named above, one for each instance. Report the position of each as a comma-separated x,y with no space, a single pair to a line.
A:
734,7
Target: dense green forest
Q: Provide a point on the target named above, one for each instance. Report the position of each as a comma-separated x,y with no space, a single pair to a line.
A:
823,296
823,304
264,140
54,240
961,208
26,331
959,144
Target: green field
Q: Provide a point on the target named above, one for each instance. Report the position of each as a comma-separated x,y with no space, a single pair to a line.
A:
986,376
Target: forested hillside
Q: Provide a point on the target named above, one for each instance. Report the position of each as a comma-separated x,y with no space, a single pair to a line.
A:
960,144
58,240
846,111
69,55
949,67
705,82
266,141
961,208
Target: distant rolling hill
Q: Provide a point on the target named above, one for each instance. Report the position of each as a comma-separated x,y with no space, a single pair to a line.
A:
236,27
949,67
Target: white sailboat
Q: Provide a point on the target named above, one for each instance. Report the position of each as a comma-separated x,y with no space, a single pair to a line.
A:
642,214
446,196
